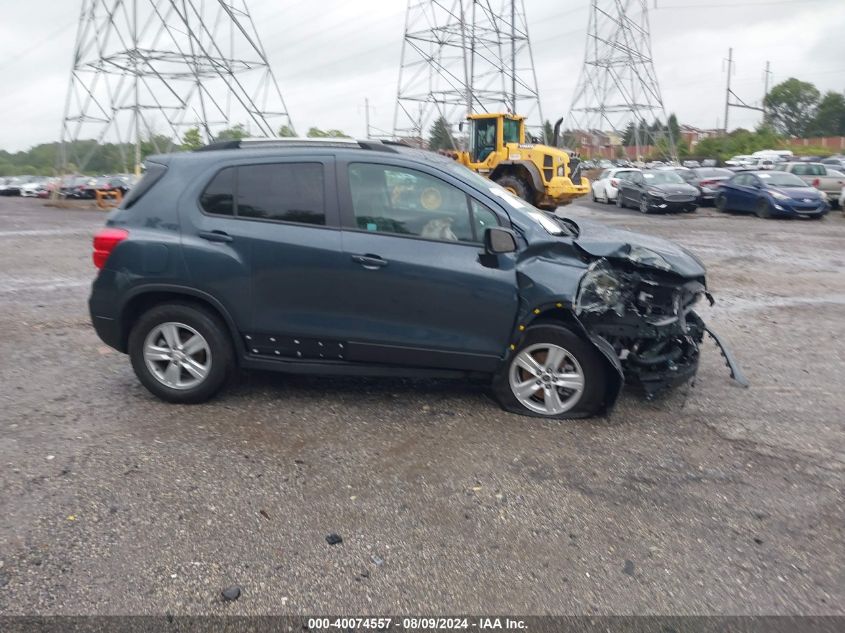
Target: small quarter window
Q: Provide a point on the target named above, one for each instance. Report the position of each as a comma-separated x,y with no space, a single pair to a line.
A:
219,196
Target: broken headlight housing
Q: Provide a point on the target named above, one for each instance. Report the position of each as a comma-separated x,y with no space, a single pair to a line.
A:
601,290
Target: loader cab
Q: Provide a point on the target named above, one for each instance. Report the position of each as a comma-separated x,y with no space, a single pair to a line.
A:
489,133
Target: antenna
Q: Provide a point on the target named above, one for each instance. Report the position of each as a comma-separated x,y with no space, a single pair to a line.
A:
618,85
460,57
147,70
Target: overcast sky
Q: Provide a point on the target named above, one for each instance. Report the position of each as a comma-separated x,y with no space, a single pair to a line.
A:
328,55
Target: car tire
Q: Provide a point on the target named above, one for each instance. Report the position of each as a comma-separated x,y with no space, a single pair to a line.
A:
620,201
202,366
721,204
580,366
643,205
516,186
763,209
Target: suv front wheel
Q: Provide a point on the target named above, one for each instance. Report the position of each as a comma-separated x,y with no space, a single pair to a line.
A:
180,352
553,374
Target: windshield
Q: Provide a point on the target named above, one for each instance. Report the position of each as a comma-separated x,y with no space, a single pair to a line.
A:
662,178
510,131
781,179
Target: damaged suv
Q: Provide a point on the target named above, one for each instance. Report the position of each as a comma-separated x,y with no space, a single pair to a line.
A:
370,258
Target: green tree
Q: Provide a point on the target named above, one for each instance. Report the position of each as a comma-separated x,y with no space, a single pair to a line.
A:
548,133
830,116
791,106
628,136
234,133
440,136
192,139
674,127
286,131
315,132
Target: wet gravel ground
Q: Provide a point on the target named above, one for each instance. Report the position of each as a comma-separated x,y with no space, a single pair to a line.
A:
714,499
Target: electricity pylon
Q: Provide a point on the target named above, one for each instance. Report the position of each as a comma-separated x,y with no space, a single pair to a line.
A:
464,56
618,85
150,69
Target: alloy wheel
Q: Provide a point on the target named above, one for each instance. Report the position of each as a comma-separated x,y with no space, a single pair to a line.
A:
546,379
177,355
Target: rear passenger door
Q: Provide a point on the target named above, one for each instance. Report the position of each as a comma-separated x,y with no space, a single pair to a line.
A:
418,289
277,223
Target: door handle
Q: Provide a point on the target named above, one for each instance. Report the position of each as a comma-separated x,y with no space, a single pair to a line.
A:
215,236
370,262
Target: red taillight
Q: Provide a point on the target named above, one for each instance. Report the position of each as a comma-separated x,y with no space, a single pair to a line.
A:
816,182
104,243
708,183
614,182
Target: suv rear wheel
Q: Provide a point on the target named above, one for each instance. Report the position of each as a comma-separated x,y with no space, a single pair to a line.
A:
552,374
180,352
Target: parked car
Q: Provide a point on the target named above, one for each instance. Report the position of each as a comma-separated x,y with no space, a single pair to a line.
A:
30,189
842,199
820,176
11,187
657,190
76,186
706,180
742,160
771,193
837,162
604,188
373,258
691,164
709,162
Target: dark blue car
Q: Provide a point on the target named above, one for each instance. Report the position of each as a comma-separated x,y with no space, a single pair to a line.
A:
362,257
771,193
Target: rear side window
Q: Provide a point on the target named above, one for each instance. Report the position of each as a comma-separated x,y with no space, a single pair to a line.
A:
151,176
284,192
288,192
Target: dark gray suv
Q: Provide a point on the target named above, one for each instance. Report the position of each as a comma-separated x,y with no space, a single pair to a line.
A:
364,257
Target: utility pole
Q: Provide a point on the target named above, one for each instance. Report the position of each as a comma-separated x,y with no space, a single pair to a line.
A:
513,56
367,115
137,74
768,74
728,91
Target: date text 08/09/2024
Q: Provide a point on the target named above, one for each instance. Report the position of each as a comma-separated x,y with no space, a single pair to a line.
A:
410,623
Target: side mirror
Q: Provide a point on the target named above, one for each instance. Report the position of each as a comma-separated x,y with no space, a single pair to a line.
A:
498,240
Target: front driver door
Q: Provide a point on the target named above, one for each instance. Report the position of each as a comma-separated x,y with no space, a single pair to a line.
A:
418,289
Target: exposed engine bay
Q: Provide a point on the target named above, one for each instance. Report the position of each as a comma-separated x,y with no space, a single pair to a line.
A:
645,312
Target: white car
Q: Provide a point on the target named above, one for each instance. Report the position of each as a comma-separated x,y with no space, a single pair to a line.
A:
742,160
842,199
606,186
31,189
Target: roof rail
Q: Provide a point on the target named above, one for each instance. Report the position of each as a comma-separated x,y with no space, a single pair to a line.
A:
289,142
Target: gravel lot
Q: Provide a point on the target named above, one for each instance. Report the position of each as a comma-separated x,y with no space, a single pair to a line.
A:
714,499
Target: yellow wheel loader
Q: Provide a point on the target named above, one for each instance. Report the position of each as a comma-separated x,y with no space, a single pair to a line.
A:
547,177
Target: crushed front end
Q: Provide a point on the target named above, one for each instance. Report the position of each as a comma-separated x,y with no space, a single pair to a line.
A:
645,312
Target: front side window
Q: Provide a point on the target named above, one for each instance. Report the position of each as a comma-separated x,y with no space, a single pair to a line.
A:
388,199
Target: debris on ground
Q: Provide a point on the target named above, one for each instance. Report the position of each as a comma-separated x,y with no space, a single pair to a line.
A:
334,539
231,594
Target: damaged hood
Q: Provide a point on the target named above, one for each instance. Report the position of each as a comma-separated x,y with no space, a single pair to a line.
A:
600,240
